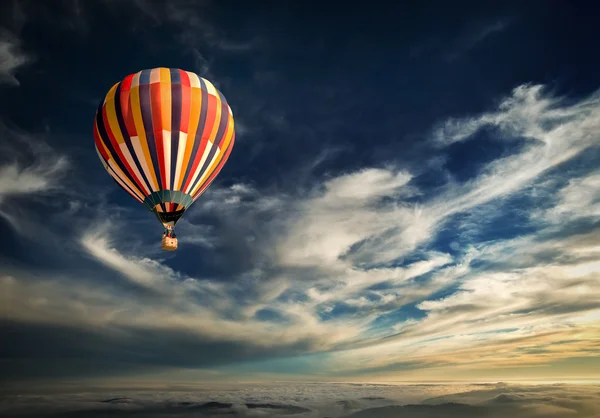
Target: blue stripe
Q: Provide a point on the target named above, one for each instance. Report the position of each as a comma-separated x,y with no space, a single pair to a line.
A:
123,129
202,122
175,76
146,108
175,120
145,77
223,122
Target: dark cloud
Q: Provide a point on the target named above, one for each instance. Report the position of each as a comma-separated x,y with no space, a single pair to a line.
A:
75,352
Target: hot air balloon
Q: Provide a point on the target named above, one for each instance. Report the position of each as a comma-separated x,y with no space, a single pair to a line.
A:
163,135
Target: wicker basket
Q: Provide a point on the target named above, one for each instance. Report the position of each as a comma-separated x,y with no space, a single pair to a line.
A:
169,244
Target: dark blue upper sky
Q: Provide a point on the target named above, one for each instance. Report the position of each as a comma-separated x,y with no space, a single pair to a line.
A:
402,174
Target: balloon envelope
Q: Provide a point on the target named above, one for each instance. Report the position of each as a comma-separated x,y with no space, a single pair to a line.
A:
164,135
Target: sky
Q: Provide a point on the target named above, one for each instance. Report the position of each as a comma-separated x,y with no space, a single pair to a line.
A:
413,196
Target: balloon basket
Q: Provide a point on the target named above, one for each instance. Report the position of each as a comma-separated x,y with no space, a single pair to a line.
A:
169,244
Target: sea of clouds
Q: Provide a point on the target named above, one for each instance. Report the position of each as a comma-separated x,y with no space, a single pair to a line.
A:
312,400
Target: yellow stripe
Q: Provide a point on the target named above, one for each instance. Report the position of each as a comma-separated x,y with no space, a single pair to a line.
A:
165,98
165,75
136,109
223,149
111,115
195,106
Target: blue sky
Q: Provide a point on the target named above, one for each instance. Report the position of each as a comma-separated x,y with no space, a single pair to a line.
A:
413,195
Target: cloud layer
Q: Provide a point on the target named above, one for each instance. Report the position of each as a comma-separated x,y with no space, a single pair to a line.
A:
318,400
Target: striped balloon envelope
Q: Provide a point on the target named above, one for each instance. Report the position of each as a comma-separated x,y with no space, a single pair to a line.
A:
163,135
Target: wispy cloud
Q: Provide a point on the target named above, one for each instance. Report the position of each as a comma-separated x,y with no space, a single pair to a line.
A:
476,35
29,168
12,57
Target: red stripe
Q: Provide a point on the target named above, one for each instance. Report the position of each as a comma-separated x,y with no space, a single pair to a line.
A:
126,111
117,149
211,112
185,78
156,103
126,83
186,102
218,169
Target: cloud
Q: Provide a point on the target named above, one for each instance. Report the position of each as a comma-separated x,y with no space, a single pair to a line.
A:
317,400
535,400
471,35
346,214
39,177
476,35
29,169
578,199
12,57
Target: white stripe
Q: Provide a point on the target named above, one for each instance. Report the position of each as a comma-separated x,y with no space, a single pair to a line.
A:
167,150
155,75
206,172
209,145
194,80
210,87
230,111
135,141
133,166
135,81
180,154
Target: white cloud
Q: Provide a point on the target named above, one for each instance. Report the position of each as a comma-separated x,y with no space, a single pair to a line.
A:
580,198
556,133
326,225
39,177
40,174
30,169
